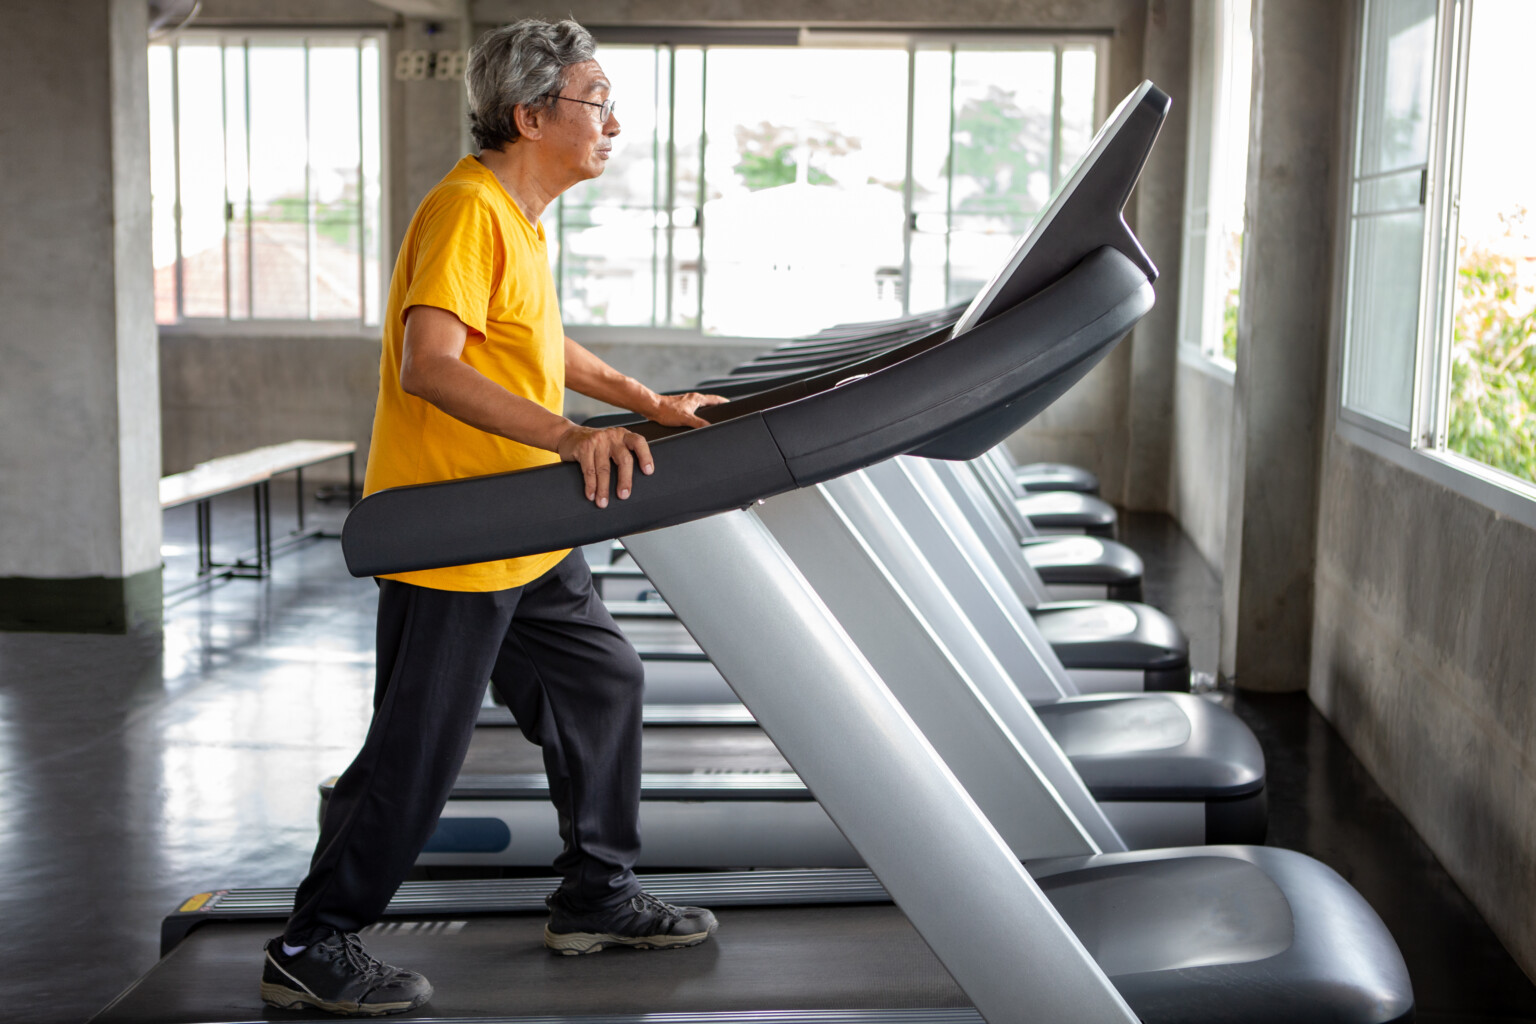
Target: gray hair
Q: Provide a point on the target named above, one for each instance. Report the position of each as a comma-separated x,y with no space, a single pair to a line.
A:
522,63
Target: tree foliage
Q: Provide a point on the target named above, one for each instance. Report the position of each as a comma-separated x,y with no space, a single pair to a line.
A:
998,150
770,153
1493,362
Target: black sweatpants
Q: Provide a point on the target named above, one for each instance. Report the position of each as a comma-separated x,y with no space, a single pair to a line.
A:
572,679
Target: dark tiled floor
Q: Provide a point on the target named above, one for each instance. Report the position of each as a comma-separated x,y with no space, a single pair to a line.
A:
137,771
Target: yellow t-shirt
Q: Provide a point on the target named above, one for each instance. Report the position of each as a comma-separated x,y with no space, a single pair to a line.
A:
471,251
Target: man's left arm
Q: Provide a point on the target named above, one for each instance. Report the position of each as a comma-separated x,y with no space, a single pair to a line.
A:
587,374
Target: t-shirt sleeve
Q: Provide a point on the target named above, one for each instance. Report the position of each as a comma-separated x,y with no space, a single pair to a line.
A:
455,262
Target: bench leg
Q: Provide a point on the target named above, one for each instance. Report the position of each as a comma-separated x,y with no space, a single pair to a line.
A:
266,527
204,538
298,488
263,510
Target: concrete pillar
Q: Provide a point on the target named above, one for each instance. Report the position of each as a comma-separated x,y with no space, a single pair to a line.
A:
1282,346
1159,225
79,393
429,127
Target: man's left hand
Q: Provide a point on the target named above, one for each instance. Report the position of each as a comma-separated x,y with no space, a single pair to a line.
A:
681,410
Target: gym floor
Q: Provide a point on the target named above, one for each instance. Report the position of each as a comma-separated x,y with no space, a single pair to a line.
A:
136,772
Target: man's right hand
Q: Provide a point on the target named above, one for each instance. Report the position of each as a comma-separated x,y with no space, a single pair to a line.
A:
597,449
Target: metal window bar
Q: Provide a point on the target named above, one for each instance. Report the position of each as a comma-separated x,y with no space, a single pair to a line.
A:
224,163
703,185
949,178
655,176
250,203
362,188
310,297
906,188
671,268
176,165
560,250
1056,101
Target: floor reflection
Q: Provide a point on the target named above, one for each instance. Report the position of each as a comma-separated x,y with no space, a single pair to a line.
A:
137,770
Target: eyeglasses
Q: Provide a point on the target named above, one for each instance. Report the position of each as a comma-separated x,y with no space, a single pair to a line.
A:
604,109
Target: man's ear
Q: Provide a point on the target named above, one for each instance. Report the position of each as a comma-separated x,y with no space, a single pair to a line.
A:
530,122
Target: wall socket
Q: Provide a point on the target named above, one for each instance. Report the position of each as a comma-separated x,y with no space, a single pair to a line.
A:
418,65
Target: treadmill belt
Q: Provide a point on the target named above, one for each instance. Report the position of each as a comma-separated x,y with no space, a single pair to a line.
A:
783,958
672,749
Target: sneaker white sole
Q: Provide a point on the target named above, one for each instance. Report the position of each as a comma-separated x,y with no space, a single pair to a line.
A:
285,998
577,943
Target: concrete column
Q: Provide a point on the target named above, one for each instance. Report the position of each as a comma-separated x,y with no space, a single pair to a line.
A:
1282,346
79,393
1159,225
428,128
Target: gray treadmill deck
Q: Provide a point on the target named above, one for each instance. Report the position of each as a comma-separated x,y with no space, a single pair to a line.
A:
862,956
664,748
651,714
1218,760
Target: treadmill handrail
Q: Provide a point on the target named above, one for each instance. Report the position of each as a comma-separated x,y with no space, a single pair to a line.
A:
997,376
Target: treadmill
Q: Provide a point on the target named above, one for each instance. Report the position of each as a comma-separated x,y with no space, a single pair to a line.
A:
1211,934
1167,769
1109,646
848,341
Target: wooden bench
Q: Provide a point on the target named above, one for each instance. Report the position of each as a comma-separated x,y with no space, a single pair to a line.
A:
254,469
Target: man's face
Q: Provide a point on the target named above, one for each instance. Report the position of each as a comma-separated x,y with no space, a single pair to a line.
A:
580,141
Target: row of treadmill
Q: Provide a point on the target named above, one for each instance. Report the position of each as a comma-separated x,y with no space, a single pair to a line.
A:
907,731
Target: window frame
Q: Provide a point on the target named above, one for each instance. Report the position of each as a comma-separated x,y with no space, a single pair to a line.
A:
247,326
1210,62
1420,449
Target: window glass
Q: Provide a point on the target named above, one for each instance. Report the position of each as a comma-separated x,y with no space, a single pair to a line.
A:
803,221
335,184
685,240
237,183
1492,415
740,209
279,184
1217,179
1229,183
611,236
200,113
932,128
266,177
1002,160
372,174
1387,215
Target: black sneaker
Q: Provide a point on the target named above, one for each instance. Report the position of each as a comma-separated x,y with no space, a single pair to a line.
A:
644,922
338,976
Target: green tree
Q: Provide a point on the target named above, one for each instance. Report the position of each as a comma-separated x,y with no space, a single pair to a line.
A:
768,152
1493,363
998,148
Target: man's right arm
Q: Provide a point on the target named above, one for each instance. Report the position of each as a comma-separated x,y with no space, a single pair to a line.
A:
431,369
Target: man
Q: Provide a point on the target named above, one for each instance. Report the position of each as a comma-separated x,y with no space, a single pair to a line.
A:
473,374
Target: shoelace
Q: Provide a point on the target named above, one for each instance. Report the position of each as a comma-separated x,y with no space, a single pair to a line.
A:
644,901
352,949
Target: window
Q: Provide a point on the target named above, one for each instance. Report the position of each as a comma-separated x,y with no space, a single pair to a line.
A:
1440,313
1386,230
1217,177
868,181
265,174
1489,413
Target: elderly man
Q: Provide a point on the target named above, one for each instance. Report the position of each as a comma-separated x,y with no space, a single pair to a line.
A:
472,380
